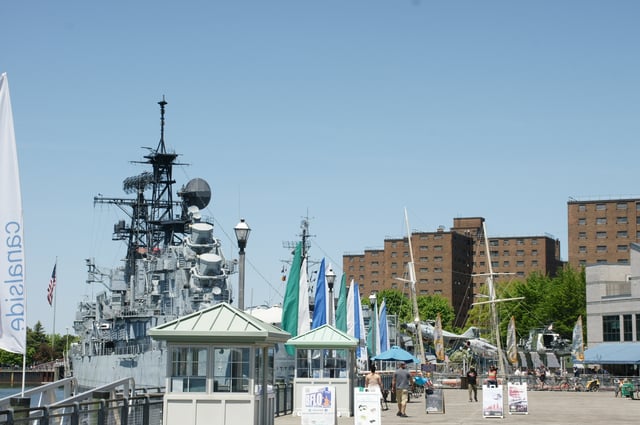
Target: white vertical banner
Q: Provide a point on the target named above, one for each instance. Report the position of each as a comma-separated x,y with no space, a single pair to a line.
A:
13,328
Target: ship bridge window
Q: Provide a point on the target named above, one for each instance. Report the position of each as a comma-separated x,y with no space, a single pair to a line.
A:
188,369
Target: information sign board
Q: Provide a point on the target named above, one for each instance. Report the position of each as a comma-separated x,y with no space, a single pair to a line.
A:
492,402
517,398
367,406
318,405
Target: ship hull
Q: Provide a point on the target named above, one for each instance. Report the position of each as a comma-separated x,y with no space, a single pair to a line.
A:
148,370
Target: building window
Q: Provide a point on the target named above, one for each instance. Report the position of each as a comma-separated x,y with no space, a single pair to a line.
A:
622,220
189,369
437,248
623,261
582,235
601,248
505,242
394,245
534,263
424,237
495,253
622,234
493,242
601,207
424,247
437,292
437,281
621,206
534,252
375,264
394,265
520,252
424,292
601,220
505,253
437,259
394,254
437,269
495,264
520,263
424,270
582,207
610,328
405,254
519,241
582,249
424,280
374,254
438,236
582,222
623,248
627,328
230,378
505,264
534,241
601,235
424,259
520,274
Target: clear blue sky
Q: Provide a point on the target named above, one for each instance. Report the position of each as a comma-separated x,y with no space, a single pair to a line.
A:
348,111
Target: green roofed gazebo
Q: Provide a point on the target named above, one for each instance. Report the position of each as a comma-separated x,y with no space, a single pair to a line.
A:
325,358
220,361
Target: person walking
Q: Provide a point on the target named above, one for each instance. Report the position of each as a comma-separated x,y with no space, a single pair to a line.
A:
472,381
373,382
400,384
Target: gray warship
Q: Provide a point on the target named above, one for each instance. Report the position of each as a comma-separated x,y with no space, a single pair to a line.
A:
173,266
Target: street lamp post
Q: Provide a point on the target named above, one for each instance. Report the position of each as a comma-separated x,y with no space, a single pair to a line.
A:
330,277
373,323
242,230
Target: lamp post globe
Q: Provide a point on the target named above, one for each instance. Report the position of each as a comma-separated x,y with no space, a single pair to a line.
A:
242,231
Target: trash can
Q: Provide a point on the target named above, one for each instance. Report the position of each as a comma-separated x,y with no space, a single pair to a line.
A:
464,383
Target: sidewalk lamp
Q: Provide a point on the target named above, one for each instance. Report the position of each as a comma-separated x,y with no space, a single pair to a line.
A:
242,230
330,277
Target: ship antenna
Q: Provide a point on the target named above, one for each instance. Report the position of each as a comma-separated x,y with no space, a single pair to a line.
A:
162,104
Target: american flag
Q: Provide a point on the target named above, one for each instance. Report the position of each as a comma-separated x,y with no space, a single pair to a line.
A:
52,285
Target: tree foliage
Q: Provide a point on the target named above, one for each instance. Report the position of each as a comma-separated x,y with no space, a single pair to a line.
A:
41,348
428,307
545,301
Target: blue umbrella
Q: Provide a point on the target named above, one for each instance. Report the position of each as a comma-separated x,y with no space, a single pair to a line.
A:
397,354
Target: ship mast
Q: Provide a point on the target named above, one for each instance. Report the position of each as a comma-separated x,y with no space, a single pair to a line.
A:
492,304
412,284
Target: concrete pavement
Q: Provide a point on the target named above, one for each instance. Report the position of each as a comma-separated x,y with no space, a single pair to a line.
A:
545,407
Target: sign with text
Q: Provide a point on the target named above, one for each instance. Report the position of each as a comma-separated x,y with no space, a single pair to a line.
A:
318,405
517,398
492,402
367,406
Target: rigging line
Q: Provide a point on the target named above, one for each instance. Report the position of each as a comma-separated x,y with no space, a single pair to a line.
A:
334,264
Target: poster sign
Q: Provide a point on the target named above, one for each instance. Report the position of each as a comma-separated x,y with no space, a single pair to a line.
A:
318,405
517,398
492,402
367,406
435,401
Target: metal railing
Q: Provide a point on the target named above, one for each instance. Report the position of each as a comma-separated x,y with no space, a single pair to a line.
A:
143,409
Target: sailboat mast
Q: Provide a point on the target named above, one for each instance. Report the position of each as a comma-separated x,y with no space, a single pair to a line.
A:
412,282
492,304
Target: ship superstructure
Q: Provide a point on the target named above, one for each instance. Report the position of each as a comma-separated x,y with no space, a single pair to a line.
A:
173,266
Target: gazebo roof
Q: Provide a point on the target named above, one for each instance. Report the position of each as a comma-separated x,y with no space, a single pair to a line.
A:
326,336
220,324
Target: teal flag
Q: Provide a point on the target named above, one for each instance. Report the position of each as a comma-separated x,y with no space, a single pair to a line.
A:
341,309
292,297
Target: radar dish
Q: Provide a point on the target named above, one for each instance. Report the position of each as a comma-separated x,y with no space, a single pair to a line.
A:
216,290
196,193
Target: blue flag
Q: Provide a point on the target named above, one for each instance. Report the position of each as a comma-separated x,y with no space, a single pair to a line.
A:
384,327
321,298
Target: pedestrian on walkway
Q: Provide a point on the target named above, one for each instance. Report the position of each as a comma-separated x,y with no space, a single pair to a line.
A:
400,384
472,382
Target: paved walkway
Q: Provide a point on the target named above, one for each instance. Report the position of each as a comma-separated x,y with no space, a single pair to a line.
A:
545,407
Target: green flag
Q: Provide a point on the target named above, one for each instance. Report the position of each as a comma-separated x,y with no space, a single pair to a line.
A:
341,309
291,297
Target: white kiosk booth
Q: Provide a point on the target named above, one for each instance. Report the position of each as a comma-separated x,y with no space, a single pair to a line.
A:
325,358
219,362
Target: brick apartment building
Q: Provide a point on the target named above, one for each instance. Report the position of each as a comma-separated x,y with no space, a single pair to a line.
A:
600,231
447,262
